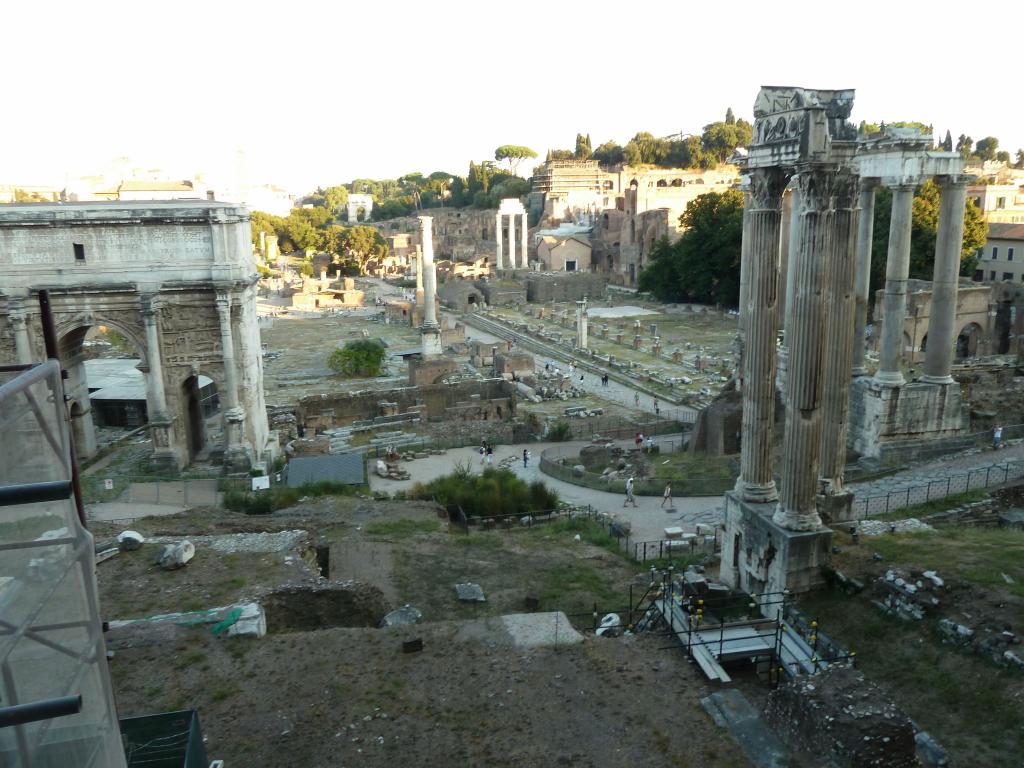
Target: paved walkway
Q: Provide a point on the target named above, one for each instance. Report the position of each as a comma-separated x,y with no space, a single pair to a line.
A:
648,519
948,473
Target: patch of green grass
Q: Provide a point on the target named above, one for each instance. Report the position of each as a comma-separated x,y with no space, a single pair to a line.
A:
935,505
30,528
401,527
980,555
965,700
578,584
562,532
236,583
223,692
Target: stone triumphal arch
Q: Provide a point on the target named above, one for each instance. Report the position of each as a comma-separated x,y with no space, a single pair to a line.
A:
177,280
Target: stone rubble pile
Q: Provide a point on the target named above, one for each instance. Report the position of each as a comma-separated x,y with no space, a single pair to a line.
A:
907,596
881,527
999,645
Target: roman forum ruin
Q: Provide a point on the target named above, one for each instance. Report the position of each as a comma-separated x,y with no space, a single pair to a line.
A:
775,538
511,209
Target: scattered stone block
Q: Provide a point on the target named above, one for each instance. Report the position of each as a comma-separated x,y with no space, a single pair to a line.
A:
403,616
470,593
174,556
129,541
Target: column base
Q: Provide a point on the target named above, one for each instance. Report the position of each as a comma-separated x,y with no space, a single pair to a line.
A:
889,379
859,371
759,556
237,460
757,493
929,379
165,462
430,338
836,507
794,521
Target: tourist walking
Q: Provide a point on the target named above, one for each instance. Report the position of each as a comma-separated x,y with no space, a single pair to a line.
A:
997,437
668,495
638,439
650,444
526,458
490,455
657,409
636,399
630,499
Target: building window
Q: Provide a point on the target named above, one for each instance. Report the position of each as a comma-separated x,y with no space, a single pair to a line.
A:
995,252
79,251
1009,254
1007,275
992,275
1000,203
570,266
979,275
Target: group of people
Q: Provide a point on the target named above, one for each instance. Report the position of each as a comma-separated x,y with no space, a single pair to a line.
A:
640,442
486,453
631,499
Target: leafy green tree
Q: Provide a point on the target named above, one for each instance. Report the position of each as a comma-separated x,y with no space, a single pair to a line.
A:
719,140
583,149
21,196
609,153
1003,157
1020,159
730,118
362,358
964,145
514,153
559,154
986,148
361,243
646,149
335,198
704,264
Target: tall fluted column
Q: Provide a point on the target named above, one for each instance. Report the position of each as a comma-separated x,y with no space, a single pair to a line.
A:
744,286
22,345
802,440
839,338
165,457
786,287
154,363
938,359
499,262
785,235
522,243
419,275
236,456
512,241
897,270
429,275
865,234
227,349
756,483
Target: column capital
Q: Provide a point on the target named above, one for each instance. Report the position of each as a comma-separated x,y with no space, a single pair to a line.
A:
223,300
18,320
766,188
149,304
816,184
845,189
958,180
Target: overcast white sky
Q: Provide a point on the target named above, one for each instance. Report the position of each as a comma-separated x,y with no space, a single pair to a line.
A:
321,93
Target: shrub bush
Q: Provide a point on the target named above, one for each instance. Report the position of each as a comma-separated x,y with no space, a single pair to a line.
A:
559,432
266,502
492,493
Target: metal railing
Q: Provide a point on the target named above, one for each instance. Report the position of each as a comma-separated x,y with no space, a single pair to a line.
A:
975,479
158,489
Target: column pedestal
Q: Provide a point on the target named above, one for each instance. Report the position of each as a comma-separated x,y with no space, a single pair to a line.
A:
237,456
760,556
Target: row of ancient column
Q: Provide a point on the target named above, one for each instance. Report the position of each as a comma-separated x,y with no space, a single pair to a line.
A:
827,278
499,236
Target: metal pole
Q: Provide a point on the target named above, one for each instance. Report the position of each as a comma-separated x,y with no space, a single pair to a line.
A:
50,341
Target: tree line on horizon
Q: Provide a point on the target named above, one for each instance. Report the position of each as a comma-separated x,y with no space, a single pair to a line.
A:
704,264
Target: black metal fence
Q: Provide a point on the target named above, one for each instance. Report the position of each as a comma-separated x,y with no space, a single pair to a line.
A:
975,479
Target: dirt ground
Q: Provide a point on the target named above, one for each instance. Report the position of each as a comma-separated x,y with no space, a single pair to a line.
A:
347,696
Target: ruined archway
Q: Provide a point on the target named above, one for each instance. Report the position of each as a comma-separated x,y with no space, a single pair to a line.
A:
968,340
175,279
